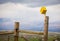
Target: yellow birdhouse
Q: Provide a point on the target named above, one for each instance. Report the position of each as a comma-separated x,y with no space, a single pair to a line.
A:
43,10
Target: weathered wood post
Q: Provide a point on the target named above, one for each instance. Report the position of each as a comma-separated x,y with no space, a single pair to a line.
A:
46,20
16,31
8,38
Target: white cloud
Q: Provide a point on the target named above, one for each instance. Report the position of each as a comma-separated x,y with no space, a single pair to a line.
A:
27,14
54,12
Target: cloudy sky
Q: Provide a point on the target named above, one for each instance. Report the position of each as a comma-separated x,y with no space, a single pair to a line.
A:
27,12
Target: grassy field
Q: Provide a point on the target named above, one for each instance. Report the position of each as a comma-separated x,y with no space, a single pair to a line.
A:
11,38
29,37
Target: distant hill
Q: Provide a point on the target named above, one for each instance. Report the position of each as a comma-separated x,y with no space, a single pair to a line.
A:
7,24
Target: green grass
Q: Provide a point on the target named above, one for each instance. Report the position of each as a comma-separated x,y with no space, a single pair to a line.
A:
33,39
51,38
11,39
30,39
21,39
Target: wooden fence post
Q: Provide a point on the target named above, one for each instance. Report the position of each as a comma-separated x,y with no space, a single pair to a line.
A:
8,38
16,31
46,20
